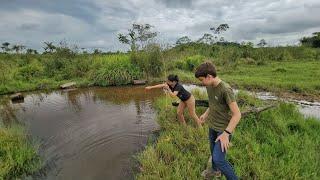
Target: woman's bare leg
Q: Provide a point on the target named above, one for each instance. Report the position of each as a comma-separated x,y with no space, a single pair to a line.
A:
191,104
180,110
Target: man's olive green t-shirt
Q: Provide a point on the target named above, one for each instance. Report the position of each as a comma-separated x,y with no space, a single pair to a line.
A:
219,111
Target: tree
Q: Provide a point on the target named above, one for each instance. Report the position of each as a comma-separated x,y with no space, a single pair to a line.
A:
206,38
221,28
32,51
218,30
138,33
247,44
183,40
97,51
49,47
313,41
15,48
21,47
18,48
5,47
262,43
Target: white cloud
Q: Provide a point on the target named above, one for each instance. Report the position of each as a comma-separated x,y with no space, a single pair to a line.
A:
96,23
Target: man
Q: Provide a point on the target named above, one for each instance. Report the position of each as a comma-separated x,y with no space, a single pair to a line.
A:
222,117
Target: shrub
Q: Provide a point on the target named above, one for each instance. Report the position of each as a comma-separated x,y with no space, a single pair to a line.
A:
28,72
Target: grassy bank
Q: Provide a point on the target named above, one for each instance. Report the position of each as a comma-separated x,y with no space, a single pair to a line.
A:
289,76
35,72
291,69
18,156
278,144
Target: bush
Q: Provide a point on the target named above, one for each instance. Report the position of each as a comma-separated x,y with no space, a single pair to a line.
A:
194,61
153,63
53,65
285,56
249,61
113,70
180,64
4,72
150,60
28,72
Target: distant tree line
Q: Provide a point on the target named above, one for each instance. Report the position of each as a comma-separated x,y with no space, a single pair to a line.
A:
140,35
313,41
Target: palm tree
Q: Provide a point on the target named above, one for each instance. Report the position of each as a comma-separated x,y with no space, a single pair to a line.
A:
21,47
262,43
5,46
16,48
32,51
49,48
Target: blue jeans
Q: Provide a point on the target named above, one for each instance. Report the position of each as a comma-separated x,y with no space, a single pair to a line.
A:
219,161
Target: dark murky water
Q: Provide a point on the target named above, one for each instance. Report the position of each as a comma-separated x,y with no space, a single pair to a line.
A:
90,133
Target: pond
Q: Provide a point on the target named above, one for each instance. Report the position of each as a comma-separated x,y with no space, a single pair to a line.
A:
90,133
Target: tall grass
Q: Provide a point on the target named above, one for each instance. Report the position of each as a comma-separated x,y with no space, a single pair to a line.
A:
150,60
31,72
277,144
18,155
113,70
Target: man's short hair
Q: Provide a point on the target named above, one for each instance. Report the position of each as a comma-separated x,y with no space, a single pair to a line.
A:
204,69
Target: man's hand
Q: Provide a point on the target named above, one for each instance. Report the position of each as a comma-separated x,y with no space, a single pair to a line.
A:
203,118
147,88
224,141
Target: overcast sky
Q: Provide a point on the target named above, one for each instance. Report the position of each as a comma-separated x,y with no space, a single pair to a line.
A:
96,23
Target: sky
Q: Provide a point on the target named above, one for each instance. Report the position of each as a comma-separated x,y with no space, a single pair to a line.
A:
94,24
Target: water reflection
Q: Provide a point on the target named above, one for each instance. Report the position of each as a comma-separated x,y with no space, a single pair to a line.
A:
7,111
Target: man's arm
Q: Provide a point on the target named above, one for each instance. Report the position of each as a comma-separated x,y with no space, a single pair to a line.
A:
204,116
236,116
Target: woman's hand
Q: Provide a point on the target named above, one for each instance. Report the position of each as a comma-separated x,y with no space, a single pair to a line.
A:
166,86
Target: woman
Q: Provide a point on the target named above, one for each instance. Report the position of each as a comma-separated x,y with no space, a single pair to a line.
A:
175,89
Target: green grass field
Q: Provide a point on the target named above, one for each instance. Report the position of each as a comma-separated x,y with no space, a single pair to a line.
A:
278,144
288,76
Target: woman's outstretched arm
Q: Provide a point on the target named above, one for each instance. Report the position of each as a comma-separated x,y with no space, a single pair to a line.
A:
156,86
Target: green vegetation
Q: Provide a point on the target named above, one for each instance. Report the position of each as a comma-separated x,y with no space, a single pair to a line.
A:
290,76
32,72
113,70
241,64
18,156
277,144
292,69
